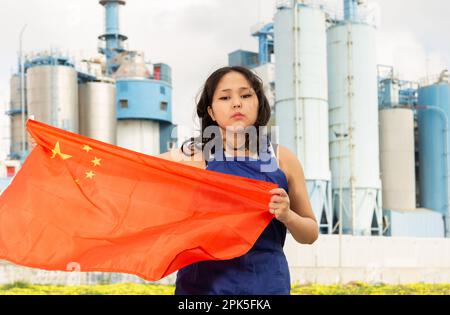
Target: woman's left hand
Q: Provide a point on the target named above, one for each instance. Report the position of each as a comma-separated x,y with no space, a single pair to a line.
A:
280,204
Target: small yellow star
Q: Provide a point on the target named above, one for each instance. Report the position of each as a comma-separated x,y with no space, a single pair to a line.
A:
77,181
57,151
87,148
96,161
90,174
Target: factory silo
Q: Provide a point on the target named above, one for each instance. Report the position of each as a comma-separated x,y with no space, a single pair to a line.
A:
144,108
433,121
97,101
15,112
301,105
143,94
397,144
353,123
397,158
52,92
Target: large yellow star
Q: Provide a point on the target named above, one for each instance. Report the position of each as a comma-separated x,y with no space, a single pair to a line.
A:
90,174
96,161
57,151
87,148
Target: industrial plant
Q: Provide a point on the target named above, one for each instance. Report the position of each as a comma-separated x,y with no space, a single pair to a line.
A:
119,98
374,147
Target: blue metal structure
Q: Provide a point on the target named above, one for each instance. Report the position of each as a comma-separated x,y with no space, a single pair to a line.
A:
137,97
48,60
408,96
114,40
144,99
265,37
243,58
388,93
350,10
392,92
250,59
148,99
434,148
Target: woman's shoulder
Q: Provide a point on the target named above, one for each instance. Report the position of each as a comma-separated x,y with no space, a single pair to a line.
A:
195,158
288,161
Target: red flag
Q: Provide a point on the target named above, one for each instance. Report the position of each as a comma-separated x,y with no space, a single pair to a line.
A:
80,202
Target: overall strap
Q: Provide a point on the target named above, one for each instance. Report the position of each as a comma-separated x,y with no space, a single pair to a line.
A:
274,151
272,147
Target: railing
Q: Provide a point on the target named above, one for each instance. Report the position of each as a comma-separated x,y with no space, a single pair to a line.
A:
434,78
365,14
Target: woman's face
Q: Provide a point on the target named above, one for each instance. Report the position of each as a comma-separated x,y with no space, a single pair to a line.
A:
234,95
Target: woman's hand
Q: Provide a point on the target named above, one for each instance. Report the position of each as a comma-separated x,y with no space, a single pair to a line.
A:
280,205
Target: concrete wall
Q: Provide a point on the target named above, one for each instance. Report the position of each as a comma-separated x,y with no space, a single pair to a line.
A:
393,260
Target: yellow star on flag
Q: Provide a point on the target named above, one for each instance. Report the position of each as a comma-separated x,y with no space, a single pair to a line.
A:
90,174
57,151
96,161
87,148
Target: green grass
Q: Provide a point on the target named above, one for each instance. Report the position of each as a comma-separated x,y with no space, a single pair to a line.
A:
101,289
358,288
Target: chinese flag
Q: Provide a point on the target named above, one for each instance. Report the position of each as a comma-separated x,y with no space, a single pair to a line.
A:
78,203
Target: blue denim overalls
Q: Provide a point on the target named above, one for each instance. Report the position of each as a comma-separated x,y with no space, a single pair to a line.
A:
263,269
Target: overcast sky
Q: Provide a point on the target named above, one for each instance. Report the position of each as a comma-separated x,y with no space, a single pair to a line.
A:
195,36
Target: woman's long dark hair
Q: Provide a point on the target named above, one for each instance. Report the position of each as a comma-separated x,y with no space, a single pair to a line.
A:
206,99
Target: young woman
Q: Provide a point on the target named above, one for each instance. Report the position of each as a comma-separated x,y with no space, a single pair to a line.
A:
233,100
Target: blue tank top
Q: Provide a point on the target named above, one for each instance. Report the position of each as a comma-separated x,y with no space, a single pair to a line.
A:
263,269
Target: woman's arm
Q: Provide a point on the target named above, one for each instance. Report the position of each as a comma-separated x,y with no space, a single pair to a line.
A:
169,155
301,221
176,155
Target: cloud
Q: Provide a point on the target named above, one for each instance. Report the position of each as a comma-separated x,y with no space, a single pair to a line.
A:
195,36
413,47
412,61
195,40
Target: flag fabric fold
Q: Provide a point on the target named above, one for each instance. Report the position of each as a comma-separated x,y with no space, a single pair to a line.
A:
78,203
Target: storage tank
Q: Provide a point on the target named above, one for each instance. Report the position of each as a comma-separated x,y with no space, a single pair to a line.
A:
16,116
144,105
98,110
139,135
397,159
52,95
143,94
353,129
301,105
267,74
434,145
